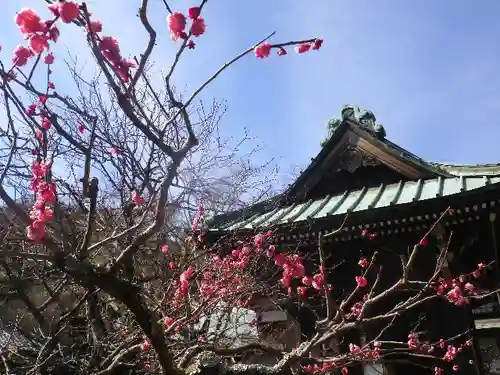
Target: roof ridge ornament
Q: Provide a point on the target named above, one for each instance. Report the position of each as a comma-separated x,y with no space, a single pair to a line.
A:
365,119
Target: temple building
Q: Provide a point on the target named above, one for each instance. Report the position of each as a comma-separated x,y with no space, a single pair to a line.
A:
398,196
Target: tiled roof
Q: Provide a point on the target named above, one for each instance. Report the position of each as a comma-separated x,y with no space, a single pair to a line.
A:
357,201
470,169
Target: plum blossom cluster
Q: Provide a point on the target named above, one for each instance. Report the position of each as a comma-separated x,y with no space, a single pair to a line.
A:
451,354
232,270
372,352
39,32
45,192
459,289
181,290
222,279
324,367
198,217
357,308
263,50
291,265
177,23
226,278
110,49
293,269
367,234
367,353
293,273
41,184
361,282
39,109
450,351
182,286
229,278
137,198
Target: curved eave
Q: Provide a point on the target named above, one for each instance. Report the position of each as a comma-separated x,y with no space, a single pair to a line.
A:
362,201
429,169
470,170
244,213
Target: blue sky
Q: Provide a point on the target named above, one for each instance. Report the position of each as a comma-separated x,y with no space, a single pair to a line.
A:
429,70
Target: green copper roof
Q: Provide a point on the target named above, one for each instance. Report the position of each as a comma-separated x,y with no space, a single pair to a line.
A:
358,200
470,169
